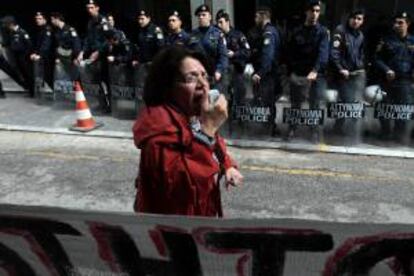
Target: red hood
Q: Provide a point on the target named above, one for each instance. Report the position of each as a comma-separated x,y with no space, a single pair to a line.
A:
163,123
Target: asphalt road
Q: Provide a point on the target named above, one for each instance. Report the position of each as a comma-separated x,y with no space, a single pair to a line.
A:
93,173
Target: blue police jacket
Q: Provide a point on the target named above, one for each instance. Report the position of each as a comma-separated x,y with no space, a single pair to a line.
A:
266,60
68,44
150,41
237,43
95,37
180,38
347,49
43,41
211,42
308,50
397,54
20,41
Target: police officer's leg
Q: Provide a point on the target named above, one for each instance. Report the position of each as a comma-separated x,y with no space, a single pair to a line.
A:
403,128
24,67
268,92
105,86
316,93
2,94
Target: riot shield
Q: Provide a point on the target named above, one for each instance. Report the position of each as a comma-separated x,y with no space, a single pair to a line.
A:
123,100
140,75
251,115
96,92
64,75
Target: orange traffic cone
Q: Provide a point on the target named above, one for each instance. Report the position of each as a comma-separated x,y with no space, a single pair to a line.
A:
84,122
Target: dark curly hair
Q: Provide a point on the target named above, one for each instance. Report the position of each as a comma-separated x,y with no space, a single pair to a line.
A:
165,70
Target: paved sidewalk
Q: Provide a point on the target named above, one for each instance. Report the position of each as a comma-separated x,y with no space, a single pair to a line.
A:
18,113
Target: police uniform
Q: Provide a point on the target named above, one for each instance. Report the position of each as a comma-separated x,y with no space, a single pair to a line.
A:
95,38
397,54
238,44
150,41
43,47
180,38
5,39
308,51
68,44
211,42
265,64
21,47
121,51
347,53
43,42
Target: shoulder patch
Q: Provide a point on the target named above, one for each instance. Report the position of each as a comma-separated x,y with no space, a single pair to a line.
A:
266,41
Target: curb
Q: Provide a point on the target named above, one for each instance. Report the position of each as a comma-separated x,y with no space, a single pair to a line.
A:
247,144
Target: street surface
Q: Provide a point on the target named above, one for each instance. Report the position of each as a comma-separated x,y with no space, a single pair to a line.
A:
93,173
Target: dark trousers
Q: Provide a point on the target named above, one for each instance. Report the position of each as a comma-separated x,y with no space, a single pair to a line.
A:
24,66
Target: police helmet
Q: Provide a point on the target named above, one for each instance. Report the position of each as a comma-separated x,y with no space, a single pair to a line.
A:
373,94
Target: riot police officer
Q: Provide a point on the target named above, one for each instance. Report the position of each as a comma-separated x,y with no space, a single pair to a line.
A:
266,61
238,53
150,39
308,55
42,48
95,37
395,59
117,48
348,66
68,44
176,35
209,40
111,23
21,46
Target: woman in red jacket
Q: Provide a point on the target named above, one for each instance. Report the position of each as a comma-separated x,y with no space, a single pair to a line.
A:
182,155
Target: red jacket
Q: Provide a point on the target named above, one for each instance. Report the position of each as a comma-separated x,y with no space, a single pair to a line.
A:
177,173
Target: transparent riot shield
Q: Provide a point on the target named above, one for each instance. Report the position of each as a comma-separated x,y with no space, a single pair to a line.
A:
252,113
64,75
123,99
96,91
140,75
